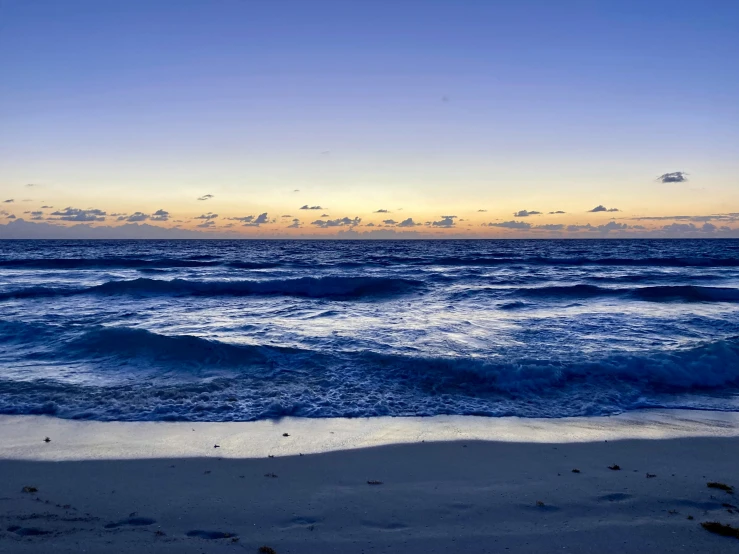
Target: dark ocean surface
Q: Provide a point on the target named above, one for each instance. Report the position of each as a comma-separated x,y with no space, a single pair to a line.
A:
246,330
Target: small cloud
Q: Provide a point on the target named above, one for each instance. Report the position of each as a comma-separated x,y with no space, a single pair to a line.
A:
389,222
674,177
602,208
244,219
295,224
342,222
206,197
325,215
287,215
208,216
137,216
446,221
29,185
408,223
381,211
511,225
481,211
37,215
47,207
526,213
296,190
307,207
160,215
205,225
11,216
259,220
76,214
370,225
551,227
8,201
557,212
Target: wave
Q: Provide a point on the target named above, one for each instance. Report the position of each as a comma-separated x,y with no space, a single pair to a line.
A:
103,263
265,381
576,261
666,293
346,288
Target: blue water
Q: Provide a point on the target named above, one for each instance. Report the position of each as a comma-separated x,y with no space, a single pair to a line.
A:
245,330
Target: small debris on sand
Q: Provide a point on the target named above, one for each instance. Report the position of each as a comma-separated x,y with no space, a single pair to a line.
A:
651,475
272,475
267,550
720,529
721,486
691,518
285,434
216,446
47,439
614,467
575,470
29,489
374,482
539,504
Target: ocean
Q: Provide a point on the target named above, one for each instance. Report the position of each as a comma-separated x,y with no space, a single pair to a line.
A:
248,330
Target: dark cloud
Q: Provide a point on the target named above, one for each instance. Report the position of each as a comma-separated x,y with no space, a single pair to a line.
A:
47,207
134,217
207,224
408,223
307,207
259,220
76,214
526,213
208,216
511,225
8,201
605,228
389,222
446,221
342,222
557,212
288,215
206,197
245,219
37,215
674,177
370,225
381,211
160,215
602,208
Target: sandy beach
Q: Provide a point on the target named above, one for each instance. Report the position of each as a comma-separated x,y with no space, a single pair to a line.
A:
451,493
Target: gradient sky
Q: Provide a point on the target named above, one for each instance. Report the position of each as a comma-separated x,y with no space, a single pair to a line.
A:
422,108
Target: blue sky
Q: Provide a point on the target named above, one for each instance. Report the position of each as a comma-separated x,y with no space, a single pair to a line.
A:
428,108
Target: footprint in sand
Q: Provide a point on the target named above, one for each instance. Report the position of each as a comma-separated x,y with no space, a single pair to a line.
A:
27,531
133,521
199,534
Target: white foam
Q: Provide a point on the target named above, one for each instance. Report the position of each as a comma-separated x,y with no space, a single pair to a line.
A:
22,437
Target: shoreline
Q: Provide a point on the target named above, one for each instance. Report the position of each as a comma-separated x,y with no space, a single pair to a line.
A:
23,436
634,483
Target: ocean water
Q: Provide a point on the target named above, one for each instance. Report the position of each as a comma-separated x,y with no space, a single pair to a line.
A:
246,330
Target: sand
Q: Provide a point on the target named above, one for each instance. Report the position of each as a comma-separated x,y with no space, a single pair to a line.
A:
456,494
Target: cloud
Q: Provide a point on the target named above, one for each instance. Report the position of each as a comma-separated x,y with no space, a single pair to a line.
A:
29,185
408,223
206,197
446,221
325,215
8,201
257,221
307,207
296,190
137,216
389,222
557,212
482,211
37,215
381,211
605,228
286,215
208,216
160,215
207,224
511,225
47,207
244,219
526,213
602,208
76,214
344,221
551,227
370,225
674,177
10,216
295,224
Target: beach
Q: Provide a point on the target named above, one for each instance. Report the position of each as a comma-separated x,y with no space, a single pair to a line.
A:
630,483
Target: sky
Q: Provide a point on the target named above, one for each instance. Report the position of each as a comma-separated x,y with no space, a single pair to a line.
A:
369,118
